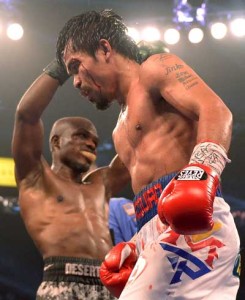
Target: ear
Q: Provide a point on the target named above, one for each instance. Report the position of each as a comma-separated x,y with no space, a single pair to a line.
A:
105,47
55,142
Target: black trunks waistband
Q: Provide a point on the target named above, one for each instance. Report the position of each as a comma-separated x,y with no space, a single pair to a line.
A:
145,202
72,269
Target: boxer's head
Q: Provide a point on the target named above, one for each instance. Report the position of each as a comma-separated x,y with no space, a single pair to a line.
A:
88,44
83,33
73,142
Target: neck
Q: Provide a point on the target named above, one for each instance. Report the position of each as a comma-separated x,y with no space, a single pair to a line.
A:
66,173
127,74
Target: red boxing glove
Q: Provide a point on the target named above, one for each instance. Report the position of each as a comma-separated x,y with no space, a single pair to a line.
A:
186,204
117,267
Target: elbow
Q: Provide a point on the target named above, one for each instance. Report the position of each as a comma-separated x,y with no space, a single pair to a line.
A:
24,114
228,117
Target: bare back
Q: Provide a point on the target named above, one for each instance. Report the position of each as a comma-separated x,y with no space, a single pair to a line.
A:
64,218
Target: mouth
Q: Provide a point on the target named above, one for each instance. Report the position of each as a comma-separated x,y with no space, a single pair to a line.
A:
84,91
87,96
90,156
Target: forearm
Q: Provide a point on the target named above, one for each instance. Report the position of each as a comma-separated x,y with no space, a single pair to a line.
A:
41,92
215,124
37,98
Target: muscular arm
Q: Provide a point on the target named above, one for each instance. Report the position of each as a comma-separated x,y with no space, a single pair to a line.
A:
27,138
114,177
117,176
182,88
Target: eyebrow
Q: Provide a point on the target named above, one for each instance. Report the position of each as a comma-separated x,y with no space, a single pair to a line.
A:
94,137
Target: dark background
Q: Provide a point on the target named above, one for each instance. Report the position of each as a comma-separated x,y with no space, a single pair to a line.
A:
220,63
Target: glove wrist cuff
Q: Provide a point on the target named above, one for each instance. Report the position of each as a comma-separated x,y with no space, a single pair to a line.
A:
56,71
210,154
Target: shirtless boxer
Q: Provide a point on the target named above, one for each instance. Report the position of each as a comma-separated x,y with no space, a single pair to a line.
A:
65,216
173,135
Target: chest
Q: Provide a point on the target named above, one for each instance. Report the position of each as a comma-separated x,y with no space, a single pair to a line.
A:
140,115
61,197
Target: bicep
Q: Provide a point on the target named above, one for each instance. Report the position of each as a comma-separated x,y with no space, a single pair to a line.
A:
181,86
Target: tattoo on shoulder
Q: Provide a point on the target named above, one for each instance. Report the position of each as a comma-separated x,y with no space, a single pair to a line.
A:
164,56
170,69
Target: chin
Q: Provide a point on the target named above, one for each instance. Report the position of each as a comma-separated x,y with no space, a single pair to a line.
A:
102,105
82,168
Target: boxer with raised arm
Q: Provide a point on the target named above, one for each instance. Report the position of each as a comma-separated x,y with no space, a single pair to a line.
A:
65,215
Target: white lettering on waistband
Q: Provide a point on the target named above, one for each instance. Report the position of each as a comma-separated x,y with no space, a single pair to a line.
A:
82,270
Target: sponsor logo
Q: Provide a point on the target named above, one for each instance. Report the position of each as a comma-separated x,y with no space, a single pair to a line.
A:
80,269
184,262
191,173
147,202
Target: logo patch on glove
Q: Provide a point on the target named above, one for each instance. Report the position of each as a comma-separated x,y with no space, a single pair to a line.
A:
191,173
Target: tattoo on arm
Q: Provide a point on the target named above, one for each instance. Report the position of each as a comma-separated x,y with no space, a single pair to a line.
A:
188,80
184,77
164,56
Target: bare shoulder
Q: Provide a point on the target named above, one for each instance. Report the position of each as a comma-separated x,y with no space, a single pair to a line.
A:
35,176
96,175
114,168
158,66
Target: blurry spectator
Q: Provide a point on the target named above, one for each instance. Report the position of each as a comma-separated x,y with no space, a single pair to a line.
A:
122,221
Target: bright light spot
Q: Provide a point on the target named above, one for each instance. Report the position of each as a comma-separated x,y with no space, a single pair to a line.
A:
195,35
134,34
171,36
150,34
15,31
238,27
218,30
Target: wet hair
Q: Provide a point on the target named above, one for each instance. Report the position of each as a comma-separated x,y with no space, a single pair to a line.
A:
83,32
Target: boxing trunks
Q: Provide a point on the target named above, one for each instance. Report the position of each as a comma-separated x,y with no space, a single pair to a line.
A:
69,278
173,266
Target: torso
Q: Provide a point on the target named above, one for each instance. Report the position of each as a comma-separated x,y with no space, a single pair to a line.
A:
151,137
66,219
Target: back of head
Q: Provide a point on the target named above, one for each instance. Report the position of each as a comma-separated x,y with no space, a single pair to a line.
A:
83,32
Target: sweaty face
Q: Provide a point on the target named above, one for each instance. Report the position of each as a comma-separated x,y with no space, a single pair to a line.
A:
87,73
78,144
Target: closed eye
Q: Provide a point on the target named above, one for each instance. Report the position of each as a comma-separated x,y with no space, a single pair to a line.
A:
73,67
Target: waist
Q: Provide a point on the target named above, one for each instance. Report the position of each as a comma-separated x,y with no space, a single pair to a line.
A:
145,202
72,269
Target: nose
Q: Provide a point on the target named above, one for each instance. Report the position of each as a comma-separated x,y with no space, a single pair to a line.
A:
91,144
77,81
